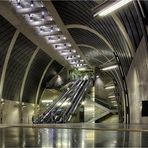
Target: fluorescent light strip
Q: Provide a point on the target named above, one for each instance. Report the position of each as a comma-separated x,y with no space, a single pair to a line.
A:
116,5
111,97
109,67
47,101
110,87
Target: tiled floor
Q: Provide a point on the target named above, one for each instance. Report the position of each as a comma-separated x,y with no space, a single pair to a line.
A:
74,135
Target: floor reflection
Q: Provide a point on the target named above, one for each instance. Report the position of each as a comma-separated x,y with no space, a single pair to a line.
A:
67,138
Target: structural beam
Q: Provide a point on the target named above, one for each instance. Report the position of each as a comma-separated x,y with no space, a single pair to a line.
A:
10,48
78,26
42,77
26,73
58,20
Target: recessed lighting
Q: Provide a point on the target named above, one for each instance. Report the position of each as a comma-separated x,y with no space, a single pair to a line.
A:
64,38
18,4
112,7
97,76
31,3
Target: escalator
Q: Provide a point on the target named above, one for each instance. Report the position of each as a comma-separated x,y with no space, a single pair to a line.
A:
64,108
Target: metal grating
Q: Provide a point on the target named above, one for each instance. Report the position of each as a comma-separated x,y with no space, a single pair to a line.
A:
6,33
20,56
37,68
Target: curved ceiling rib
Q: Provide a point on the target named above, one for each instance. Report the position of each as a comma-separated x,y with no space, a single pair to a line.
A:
124,32
80,12
10,48
79,26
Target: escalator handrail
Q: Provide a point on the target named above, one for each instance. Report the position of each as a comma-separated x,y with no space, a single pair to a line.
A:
51,107
78,100
73,97
48,113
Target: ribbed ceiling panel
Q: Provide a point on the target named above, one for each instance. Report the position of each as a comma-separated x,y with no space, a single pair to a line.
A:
85,37
79,12
129,18
37,68
6,33
20,56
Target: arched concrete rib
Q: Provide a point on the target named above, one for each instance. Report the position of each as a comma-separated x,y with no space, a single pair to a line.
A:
42,77
78,26
10,48
124,32
26,73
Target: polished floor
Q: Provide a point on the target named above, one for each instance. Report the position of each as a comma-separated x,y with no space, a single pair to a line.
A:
74,135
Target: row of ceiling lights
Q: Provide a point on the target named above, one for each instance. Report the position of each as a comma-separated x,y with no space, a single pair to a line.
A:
38,17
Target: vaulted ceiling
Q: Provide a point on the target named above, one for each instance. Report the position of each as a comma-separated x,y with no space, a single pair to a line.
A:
32,61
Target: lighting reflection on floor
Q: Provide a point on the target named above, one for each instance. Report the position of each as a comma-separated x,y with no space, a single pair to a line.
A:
68,138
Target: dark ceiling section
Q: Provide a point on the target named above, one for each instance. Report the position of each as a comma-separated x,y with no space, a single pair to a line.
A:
60,80
129,18
6,34
79,12
20,56
36,70
53,70
87,38
145,9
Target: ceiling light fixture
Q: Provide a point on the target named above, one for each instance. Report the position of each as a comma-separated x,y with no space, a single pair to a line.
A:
111,97
47,101
109,87
43,23
31,3
112,7
109,67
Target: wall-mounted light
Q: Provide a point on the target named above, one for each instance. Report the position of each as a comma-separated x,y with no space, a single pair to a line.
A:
110,68
47,101
111,97
97,76
83,102
109,87
112,7
82,69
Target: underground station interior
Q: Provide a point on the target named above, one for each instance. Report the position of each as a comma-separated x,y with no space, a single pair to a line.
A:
73,73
